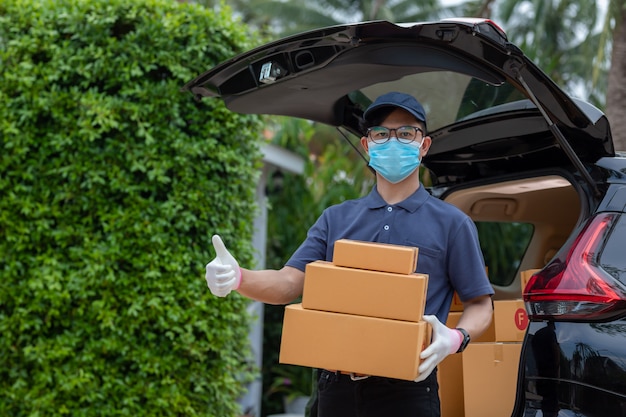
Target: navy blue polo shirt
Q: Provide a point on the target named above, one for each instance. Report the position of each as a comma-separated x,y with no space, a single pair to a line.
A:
449,251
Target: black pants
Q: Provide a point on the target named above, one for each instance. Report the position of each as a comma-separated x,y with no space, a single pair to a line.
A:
339,396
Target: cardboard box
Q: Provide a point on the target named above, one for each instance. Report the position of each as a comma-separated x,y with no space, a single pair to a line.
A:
383,257
525,277
511,320
508,324
490,378
362,292
488,336
450,378
349,343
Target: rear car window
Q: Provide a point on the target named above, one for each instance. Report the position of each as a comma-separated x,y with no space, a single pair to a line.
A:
447,96
503,245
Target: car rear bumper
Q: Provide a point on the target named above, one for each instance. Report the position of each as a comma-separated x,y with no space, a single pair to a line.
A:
575,369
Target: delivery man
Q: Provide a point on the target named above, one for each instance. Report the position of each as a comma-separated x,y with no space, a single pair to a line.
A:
398,210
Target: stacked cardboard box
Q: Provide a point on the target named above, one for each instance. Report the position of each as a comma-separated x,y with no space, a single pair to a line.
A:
360,314
481,382
525,277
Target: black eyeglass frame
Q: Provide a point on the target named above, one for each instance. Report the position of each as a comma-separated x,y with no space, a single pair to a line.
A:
404,140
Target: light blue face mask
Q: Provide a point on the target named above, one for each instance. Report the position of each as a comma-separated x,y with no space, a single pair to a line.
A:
394,160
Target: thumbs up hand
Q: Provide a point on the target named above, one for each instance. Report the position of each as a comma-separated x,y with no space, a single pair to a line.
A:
223,273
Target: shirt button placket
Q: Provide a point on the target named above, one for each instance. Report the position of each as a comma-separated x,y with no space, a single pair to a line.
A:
386,225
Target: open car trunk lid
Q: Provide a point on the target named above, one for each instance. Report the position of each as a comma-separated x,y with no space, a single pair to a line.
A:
490,110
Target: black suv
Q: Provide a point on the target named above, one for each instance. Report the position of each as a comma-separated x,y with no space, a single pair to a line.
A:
534,168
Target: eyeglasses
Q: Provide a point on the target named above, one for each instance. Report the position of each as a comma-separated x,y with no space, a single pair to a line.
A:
404,134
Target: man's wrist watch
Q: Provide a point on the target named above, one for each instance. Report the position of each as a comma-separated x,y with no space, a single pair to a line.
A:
466,339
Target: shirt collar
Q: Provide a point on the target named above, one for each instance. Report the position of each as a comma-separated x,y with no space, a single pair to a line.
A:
410,204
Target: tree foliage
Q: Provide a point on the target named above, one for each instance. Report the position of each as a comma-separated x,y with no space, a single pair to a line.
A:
281,18
615,28
111,182
561,36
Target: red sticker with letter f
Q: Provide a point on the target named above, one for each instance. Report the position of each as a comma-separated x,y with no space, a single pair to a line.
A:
521,319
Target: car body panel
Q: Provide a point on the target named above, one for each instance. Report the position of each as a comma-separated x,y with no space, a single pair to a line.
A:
563,371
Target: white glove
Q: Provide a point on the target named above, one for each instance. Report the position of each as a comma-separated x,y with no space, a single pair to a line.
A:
445,342
223,273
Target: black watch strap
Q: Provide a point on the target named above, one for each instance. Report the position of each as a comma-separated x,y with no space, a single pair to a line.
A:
466,339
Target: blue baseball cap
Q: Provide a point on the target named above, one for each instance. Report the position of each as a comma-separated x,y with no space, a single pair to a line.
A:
395,99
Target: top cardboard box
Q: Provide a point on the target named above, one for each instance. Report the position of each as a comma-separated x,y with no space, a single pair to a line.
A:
384,257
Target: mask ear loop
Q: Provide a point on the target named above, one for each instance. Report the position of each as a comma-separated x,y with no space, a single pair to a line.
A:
357,150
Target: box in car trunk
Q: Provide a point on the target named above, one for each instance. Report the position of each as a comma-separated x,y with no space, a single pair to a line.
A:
480,382
489,378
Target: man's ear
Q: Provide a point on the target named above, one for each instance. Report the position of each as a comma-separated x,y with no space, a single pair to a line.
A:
364,143
426,144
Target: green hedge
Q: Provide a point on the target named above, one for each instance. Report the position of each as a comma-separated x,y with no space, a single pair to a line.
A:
111,184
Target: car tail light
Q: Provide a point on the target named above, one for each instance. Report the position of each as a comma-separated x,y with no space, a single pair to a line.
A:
577,288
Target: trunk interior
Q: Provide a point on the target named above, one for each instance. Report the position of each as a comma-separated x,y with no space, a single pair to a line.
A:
550,205
522,224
